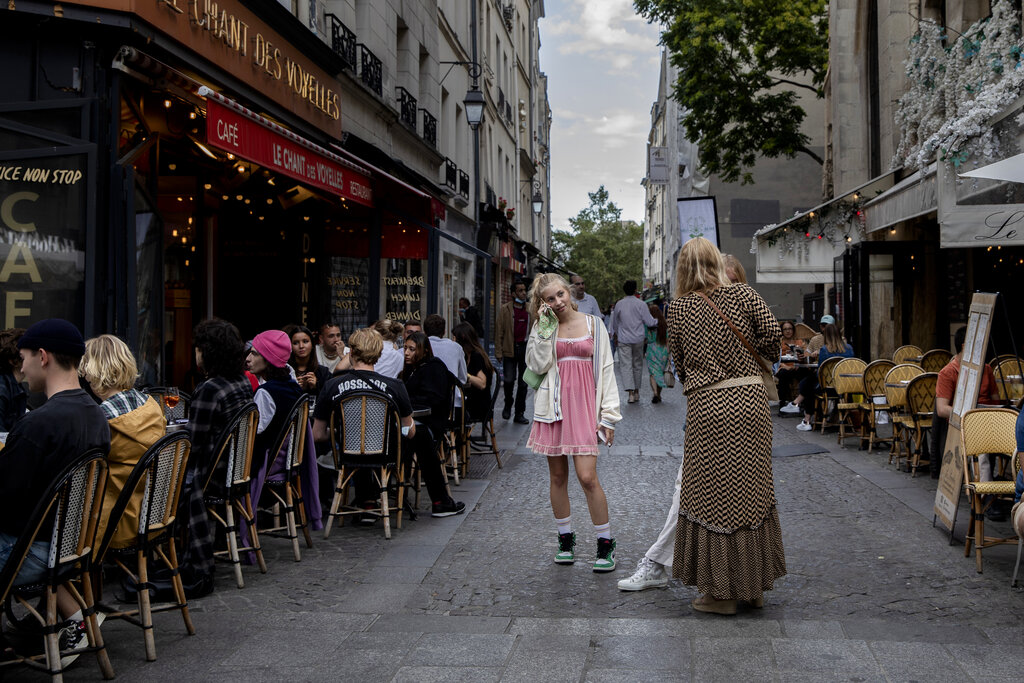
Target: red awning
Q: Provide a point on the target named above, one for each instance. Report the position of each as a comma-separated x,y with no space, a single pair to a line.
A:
240,131
416,203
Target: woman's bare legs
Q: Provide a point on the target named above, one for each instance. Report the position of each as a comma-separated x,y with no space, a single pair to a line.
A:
558,468
586,472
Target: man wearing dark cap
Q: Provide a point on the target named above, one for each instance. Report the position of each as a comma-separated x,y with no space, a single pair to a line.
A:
43,442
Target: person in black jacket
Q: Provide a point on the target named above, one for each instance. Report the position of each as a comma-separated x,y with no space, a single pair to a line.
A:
429,384
310,375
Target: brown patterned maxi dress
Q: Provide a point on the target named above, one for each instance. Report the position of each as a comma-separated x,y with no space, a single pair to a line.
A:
728,540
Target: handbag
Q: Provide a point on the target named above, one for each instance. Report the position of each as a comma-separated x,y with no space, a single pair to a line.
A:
532,379
670,379
766,372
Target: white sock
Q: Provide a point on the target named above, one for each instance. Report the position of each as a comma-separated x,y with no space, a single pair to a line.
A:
603,530
77,616
564,525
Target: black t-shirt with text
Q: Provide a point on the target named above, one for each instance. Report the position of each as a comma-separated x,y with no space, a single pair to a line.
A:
360,380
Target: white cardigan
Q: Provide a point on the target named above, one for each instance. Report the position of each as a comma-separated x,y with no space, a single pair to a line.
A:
540,357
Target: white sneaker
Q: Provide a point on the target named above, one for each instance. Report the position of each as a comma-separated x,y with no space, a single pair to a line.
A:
649,574
804,427
791,408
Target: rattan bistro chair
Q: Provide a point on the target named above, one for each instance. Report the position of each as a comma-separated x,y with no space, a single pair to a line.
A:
1018,464
231,497
286,488
917,419
487,442
874,388
935,360
896,381
365,434
157,481
851,393
826,395
67,516
450,443
1009,374
906,354
986,430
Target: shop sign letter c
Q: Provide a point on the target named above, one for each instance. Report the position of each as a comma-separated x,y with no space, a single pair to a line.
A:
7,211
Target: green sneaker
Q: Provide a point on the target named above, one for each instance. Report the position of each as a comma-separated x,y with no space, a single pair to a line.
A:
605,555
565,554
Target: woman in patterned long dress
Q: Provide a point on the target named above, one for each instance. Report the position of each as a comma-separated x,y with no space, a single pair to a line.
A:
728,540
577,400
657,353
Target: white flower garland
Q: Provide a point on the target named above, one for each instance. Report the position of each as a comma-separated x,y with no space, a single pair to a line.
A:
955,90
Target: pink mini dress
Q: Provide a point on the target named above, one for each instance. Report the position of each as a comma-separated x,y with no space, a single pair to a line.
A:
576,432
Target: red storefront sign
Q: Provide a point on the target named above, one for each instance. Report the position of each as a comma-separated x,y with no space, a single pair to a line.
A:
234,132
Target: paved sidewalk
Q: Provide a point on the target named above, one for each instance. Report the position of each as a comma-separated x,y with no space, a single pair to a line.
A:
874,592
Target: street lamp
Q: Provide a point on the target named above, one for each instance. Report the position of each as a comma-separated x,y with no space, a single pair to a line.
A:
474,104
538,202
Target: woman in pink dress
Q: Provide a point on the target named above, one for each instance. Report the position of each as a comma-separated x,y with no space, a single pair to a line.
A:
576,402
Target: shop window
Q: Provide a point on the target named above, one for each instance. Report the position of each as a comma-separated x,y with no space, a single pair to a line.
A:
404,252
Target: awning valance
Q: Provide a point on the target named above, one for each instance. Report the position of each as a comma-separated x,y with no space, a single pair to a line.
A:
915,195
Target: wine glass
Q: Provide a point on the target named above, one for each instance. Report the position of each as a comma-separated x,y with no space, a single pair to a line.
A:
171,399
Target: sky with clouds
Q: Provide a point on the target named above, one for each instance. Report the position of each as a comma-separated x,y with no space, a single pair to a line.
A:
602,62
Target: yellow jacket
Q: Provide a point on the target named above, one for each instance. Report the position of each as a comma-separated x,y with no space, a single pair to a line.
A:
131,435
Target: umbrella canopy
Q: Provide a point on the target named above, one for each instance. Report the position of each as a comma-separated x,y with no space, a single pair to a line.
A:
1011,169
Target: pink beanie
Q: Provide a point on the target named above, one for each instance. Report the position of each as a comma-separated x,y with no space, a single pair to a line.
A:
275,346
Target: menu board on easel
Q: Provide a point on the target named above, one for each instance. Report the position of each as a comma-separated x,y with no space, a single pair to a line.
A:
968,383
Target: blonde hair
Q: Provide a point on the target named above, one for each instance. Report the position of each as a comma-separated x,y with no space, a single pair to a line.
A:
389,330
542,282
700,267
731,261
366,345
833,336
108,364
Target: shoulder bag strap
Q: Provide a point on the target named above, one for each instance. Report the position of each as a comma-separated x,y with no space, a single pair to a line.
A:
736,331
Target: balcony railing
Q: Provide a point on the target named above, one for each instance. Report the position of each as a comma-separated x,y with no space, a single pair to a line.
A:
451,174
464,184
406,107
343,41
501,101
370,70
429,129
508,113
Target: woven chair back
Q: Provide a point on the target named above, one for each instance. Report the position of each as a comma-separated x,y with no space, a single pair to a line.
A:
292,437
874,376
849,385
826,372
178,412
164,476
1000,358
457,418
935,360
905,353
1010,378
921,394
896,396
803,331
989,430
365,429
236,447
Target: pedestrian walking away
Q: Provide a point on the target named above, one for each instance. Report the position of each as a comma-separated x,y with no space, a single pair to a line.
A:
514,323
630,320
657,353
728,538
576,403
585,303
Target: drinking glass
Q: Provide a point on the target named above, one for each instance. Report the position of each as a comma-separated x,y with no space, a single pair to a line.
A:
171,399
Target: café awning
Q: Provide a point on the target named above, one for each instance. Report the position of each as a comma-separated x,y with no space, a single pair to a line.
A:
1011,169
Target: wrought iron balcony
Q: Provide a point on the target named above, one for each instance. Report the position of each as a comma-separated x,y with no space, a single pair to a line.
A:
343,41
501,101
464,184
451,174
406,107
429,129
370,70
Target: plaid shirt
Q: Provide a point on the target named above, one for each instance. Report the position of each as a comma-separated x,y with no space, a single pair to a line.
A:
123,403
213,403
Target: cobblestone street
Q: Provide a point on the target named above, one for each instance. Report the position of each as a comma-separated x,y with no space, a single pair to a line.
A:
874,592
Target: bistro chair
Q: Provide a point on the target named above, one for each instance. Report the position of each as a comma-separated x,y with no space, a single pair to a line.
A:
826,395
451,441
230,497
917,420
849,382
906,354
874,388
156,481
803,331
67,515
935,360
179,411
1020,541
896,381
286,487
487,442
1000,358
1009,373
365,434
986,430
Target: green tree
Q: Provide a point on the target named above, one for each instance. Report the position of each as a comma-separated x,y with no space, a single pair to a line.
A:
602,248
741,63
